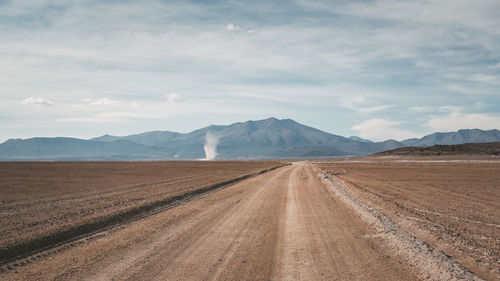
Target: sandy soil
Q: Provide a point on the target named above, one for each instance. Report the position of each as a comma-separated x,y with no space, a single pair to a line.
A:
40,199
287,224
454,206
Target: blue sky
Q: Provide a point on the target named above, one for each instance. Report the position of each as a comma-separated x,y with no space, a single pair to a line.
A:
376,69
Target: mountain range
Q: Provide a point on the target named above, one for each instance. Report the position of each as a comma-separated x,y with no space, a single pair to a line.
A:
459,137
268,138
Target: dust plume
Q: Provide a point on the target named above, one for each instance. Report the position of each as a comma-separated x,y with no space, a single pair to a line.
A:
210,146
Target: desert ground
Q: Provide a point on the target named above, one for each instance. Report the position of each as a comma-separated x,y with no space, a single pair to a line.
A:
43,201
453,205
310,220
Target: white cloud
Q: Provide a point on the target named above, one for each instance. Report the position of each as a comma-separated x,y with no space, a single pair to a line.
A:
383,129
469,90
172,97
101,102
477,14
37,102
91,119
374,108
457,120
486,78
113,116
450,108
231,27
362,104
459,88
98,103
421,109
127,115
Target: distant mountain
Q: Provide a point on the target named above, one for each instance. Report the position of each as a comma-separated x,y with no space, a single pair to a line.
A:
77,149
459,137
359,139
154,138
490,148
268,138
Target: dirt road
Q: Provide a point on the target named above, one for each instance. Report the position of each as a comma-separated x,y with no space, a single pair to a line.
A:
283,225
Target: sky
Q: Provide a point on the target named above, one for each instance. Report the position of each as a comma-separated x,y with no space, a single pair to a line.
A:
376,69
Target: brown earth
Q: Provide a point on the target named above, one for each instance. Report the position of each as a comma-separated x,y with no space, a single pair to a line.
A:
296,223
46,199
287,224
455,206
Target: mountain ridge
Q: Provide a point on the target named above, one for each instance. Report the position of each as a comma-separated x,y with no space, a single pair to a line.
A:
267,138
62,148
459,137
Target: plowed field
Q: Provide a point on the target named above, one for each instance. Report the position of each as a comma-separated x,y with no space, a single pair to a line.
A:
453,205
40,200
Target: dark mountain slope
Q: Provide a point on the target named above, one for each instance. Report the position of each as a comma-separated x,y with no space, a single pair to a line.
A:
491,148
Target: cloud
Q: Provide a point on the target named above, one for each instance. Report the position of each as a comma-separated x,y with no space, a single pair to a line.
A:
480,14
231,27
362,104
37,102
486,78
383,129
305,58
106,117
421,109
460,89
101,102
474,89
172,97
450,108
457,120
374,108
90,119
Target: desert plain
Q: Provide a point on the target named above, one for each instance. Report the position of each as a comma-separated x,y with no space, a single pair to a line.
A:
368,219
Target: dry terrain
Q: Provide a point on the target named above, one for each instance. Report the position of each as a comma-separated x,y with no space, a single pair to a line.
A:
324,221
491,149
455,206
45,202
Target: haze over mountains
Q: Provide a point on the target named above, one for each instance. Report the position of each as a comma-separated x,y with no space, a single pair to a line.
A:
268,138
